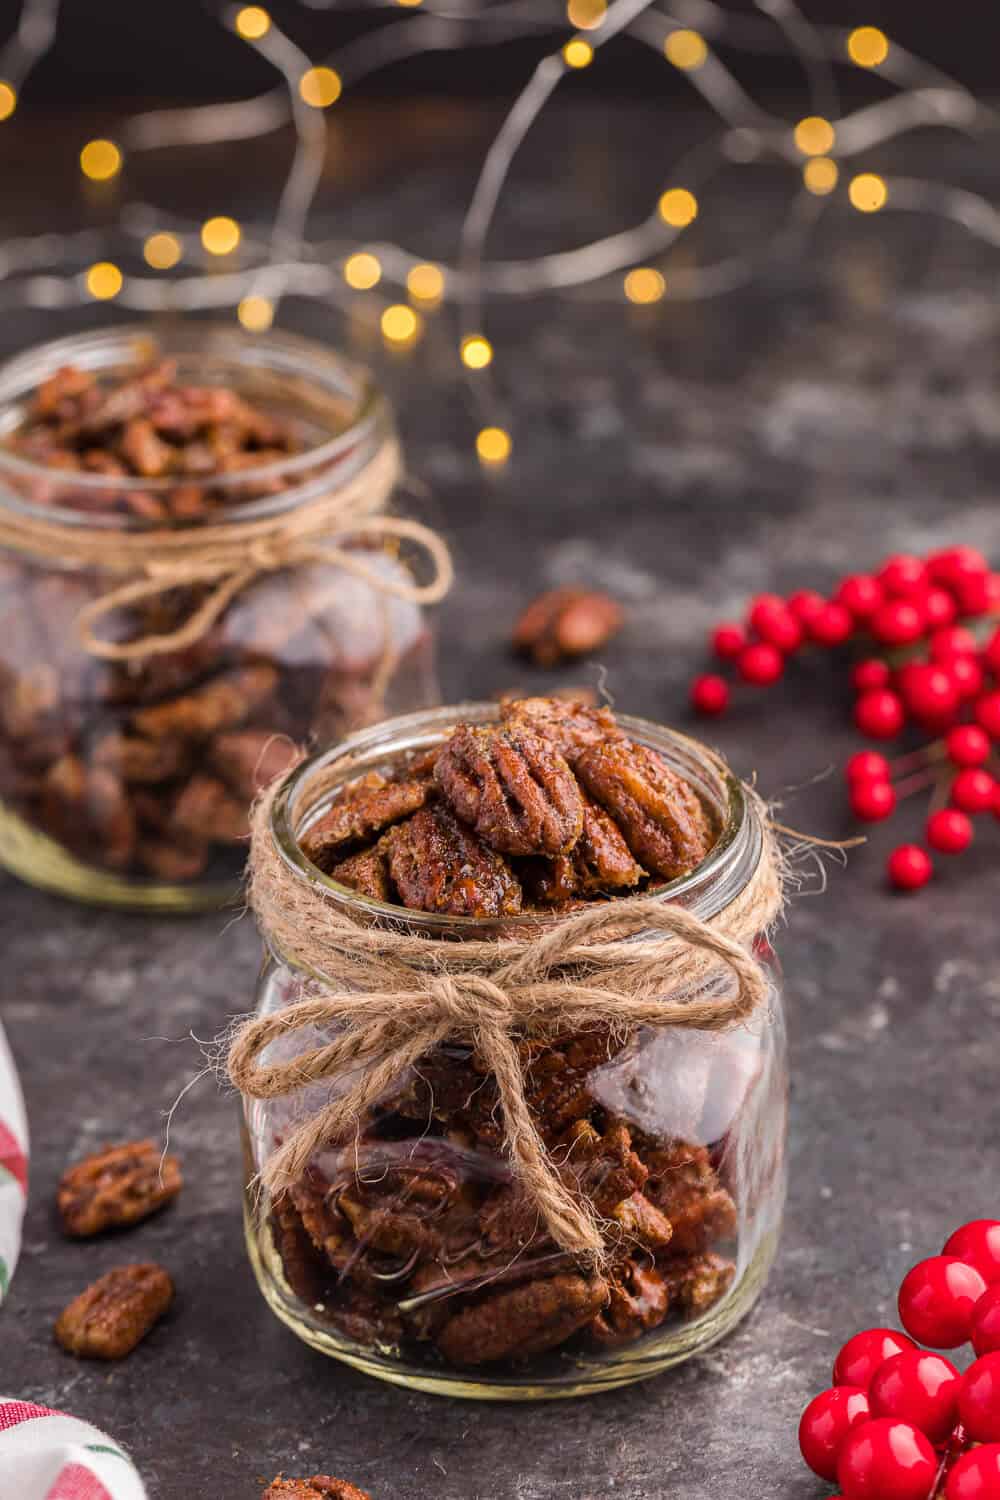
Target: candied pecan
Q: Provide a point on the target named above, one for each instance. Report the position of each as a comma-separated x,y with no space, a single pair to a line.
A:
206,809
362,810
82,804
304,1269
113,1315
604,1166
437,865
117,1187
248,759
599,862
65,384
138,760
522,1320
683,1185
143,450
639,1300
27,700
643,1221
515,790
319,1487
220,704
696,1282
566,622
367,873
178,858
664,824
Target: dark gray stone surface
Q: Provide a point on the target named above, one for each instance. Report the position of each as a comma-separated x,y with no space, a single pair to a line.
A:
841,407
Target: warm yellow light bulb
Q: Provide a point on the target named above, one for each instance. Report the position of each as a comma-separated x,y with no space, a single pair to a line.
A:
477,351
161,251
867,46
256,313
868,192
320,87
493,445
100,160
425,282
362,271
820,175
104,280
644,285
578,53
400,324
586,14
252,22
220,235
678,207
8,100
814,136
685,49
409,4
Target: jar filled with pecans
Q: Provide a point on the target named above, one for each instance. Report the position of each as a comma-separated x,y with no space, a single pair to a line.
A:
203,566
514,1091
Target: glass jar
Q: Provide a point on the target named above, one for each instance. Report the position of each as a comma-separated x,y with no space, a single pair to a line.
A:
407,1254
124,776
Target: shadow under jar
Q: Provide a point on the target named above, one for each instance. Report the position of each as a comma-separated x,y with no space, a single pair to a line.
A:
126,772
409,1254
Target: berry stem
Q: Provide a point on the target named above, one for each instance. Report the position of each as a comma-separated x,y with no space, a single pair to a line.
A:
936,750
910,785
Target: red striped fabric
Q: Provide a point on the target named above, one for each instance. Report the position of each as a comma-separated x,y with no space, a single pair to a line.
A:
13,1413
74,1482
12,1157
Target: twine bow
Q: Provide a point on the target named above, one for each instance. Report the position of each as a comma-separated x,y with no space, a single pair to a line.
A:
394,997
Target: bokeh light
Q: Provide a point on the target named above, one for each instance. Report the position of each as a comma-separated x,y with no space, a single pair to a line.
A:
220,235
644,285
814,136
493,445
678,207
685,49
161,251
320,87
477,351
8,100
256,313
867,46
868,192
400,324
425,282
362,271
100,160
820,175
104,280
252,22
586,14
578,53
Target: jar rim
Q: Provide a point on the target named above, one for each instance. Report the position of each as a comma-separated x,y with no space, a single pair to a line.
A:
705,890
278,351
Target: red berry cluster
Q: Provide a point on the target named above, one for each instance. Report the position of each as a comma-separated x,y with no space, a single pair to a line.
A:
922,666
901,1423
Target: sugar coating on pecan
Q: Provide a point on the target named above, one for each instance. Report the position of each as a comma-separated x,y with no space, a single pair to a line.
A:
663,821
684,1186
366,872
638,1300
220,704
523,1320
362,811
113,1315
438,865
697,1282
572,726
600,863
319,1487
512,787
116,1187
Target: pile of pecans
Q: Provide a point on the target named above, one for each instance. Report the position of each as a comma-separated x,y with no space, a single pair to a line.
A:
145,767
416,1236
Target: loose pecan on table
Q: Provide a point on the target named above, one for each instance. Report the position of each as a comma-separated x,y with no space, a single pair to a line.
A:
566,622
319,1487
113,1315
116,1187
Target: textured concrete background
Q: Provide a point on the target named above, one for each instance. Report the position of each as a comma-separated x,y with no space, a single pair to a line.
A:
843,406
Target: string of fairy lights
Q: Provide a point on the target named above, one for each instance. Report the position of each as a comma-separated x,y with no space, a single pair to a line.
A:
221,263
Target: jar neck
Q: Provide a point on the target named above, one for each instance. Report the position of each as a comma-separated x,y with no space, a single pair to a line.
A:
313,785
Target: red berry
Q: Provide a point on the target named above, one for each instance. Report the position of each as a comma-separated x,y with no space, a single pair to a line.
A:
868,676
871,801
976,1476
991,652
979,1401
761,664
879,715
886,1460
825,1424
863,1354
988,714
936,1301
909,867
973,790
861,594
986,1322
867,765
953,641
897,623
831,626
973,593
978,1244
968,746
967,675
763,605
928,691
948,831
728,640
939,608
952,562
902,575
710,695
780,628
919,1388
805,605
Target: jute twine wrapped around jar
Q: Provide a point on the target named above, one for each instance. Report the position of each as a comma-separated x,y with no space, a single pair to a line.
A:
227,557
391,997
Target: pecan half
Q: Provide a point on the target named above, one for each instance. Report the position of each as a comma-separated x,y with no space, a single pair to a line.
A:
664,824
513,788
206,809
319,1487
437,865
220,704
367,873
643,1221
248,759
697,1282
138,760
683,1185
361,812
111,1317
639,1300
566,622
599,862
522,1320
117,1187
572,726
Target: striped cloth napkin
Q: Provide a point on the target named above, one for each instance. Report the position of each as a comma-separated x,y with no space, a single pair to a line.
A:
44,1455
